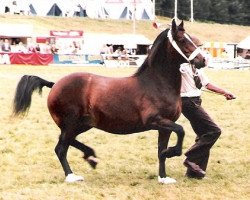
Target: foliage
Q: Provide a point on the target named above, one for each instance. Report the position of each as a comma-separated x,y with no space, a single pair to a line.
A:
221,11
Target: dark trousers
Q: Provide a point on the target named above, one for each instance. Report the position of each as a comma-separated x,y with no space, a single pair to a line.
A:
206,130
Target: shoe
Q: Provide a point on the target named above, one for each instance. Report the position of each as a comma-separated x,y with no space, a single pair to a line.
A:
195,169
194,176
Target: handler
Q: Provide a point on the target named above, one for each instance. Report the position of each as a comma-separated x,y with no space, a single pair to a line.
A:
204,127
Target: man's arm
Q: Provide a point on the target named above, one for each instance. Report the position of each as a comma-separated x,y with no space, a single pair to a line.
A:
228,95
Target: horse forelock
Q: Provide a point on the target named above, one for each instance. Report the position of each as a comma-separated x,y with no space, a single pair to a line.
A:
181,29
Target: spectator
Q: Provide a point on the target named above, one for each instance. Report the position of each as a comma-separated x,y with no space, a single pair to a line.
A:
38,49
54,49
1,44
15,9
6,46
32,49
111,49
77,10
118,51
46,48
21,48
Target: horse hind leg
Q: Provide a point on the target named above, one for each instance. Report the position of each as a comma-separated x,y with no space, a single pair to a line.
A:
61,150
89,153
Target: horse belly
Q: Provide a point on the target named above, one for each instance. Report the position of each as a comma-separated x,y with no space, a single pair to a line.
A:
120,127
120,120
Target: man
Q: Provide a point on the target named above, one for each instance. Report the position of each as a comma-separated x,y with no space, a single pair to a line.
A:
5,48
204,127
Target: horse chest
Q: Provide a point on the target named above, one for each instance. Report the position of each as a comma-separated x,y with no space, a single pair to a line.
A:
164,107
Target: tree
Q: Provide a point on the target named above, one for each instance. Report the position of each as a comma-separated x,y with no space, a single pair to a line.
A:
222,11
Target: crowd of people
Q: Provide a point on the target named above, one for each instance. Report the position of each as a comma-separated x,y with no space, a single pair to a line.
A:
17,46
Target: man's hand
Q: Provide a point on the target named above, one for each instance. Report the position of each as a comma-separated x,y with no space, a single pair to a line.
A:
229,96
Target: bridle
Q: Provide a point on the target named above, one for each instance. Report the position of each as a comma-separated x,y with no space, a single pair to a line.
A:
177,48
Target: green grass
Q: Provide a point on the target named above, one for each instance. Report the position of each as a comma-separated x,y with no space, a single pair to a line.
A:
128,164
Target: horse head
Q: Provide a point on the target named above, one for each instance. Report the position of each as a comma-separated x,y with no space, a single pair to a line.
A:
186,46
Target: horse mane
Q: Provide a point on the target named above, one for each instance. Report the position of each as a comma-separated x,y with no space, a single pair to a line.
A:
157,55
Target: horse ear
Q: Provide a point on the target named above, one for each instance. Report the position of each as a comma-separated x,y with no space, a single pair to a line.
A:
181,24
173,27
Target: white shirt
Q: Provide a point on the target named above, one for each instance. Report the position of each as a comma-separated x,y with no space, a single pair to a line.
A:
188,88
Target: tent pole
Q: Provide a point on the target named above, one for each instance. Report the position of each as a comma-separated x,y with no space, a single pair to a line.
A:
153,9
192,11
175,10
134,24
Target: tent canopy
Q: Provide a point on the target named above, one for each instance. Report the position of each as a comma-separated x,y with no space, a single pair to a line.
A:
32,10
113,9
244,44
55,11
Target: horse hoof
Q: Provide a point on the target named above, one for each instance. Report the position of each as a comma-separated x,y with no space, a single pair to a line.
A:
93,161
71,178
172,151
166,180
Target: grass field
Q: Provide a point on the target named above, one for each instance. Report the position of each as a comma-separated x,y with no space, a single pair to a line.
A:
128,165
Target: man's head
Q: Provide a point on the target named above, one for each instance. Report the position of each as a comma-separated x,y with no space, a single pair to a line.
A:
196,41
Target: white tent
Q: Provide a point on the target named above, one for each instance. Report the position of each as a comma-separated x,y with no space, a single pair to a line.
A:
113,9
95,9
93,42
21,5
244,44
130,9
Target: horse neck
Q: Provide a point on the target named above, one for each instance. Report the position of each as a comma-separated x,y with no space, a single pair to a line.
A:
165,73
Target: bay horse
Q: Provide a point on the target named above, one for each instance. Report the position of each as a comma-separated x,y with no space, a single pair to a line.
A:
147,100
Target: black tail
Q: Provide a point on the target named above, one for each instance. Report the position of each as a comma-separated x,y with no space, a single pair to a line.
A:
26,86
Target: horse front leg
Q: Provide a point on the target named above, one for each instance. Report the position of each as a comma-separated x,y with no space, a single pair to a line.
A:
165,128
163,139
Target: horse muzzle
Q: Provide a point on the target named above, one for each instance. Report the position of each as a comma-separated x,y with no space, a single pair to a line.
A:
199,62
